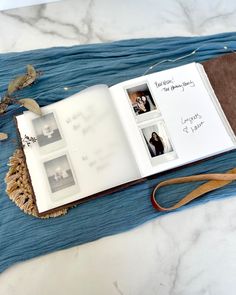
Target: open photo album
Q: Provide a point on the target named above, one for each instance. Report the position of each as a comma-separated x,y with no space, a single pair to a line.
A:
102,137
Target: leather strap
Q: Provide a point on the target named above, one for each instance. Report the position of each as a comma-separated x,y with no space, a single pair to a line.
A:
216,181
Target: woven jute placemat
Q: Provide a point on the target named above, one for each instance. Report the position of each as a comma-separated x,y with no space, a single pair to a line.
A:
18,187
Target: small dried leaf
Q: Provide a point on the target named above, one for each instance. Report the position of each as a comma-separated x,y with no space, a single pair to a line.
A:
3,136
30,77
28,81
16,84
31,105
31,71
23,81
3,107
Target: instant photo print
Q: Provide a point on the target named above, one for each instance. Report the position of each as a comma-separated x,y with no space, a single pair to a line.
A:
142,102
103,139
158,142
46,129
48,132
59,173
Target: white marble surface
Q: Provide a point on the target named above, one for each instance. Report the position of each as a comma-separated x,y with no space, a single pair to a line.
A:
191,252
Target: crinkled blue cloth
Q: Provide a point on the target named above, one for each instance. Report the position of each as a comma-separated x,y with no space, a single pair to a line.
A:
22,236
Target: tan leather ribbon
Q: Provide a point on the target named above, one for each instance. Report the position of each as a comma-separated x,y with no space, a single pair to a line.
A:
217,180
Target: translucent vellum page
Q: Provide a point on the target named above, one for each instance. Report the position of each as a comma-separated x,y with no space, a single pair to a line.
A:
81,148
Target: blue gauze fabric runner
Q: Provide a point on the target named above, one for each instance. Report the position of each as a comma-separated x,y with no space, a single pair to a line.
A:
22,236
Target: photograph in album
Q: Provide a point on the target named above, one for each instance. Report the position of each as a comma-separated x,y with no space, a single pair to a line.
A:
156,139
46,129
59,173
141,99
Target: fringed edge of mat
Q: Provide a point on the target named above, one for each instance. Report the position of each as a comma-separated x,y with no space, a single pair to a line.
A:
19,189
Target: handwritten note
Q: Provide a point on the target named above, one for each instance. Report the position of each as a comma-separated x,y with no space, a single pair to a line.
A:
90,125
100,159
171,85
192,124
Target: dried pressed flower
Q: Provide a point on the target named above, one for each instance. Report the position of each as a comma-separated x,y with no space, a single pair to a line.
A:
28,140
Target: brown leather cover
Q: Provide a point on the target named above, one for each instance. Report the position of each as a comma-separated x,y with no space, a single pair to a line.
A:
221,72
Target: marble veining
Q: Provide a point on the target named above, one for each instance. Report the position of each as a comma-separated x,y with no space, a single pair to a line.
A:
190,252
72,22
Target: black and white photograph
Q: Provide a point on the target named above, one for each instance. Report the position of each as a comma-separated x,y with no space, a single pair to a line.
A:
46,129
141,99
59,173
156,139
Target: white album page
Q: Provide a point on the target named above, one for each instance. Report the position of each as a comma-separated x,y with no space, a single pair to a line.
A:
171,118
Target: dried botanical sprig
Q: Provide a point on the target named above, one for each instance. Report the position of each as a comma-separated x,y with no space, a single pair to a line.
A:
17,84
